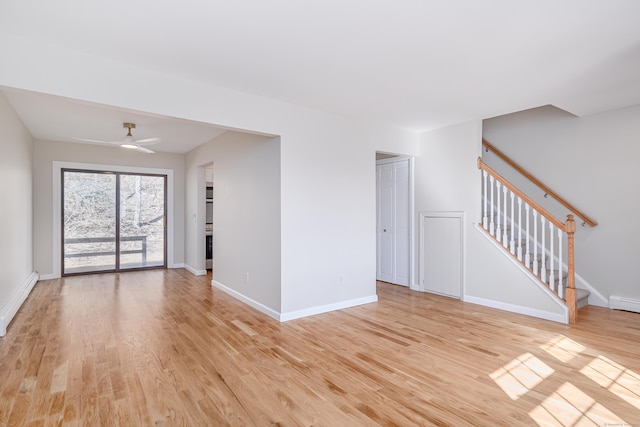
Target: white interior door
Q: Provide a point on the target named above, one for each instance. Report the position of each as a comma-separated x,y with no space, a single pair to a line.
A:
393,222
441,253
385,222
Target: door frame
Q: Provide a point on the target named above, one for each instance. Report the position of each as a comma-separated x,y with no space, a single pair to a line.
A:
440,214
56,180
412,235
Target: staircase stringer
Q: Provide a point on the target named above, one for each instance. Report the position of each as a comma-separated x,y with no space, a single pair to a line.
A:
527,272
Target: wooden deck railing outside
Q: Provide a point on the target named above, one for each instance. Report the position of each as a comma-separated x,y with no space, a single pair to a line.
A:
85,240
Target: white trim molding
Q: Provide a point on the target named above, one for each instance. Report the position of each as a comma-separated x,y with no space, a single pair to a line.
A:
178,265
327,308
624,303
250,302
541,314
10,309
283,317
194,271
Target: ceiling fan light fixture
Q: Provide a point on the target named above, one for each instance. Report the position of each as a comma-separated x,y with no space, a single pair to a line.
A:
128,141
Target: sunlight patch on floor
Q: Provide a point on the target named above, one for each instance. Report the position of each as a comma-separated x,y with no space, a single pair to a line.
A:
520,375
619,380
570,406
563,348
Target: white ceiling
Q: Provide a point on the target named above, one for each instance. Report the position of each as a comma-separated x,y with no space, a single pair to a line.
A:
414,64
59,119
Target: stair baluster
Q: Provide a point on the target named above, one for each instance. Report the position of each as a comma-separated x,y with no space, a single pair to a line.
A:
498,229
492,229
543,265
505,237
527,255
484,211
512,244
535,242
552,278
520,226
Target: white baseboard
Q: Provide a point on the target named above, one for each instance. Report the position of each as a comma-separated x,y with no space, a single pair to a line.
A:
245,299
48,276
194,271
326,308
179,265
11,308
547,315
283,317
624,303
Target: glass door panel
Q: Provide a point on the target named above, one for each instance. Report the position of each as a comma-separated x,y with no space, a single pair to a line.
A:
142,221
89,222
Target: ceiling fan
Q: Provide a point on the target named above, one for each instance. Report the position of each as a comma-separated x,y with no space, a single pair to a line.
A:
128,141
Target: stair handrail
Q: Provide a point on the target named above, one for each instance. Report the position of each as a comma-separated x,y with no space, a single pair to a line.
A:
482,165
569,227
587,220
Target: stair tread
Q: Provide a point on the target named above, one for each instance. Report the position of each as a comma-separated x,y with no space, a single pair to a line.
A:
581,293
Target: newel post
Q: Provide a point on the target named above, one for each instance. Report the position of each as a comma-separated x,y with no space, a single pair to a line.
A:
570,228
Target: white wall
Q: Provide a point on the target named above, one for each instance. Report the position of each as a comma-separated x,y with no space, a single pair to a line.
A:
46,152
593,162
246,212
327,161
447,179
16,191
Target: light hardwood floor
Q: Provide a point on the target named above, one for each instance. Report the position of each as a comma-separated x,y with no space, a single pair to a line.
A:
165,348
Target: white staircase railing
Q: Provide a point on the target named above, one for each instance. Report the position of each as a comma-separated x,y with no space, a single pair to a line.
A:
531,234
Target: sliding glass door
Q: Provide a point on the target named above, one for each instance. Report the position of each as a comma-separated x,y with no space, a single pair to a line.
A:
88,221
112,221
141,222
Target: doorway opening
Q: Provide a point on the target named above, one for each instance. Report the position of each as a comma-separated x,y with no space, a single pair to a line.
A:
394,219
208,227
112,221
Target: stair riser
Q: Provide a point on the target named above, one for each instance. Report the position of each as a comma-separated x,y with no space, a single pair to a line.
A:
582,302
